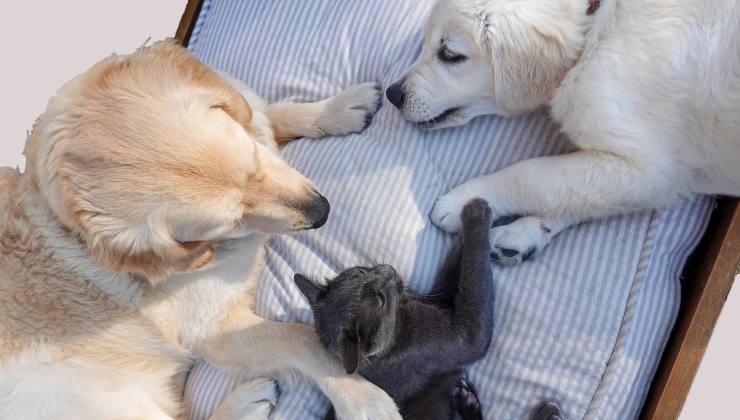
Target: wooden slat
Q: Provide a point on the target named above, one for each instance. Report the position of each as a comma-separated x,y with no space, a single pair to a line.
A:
707,282
187,21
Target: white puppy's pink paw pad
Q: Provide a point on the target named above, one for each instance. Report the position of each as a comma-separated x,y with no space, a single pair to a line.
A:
518,241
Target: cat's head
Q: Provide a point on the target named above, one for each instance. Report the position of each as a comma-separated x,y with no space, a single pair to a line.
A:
356,312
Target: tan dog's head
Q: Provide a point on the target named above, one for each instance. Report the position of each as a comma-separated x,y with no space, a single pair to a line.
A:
149,159
482,57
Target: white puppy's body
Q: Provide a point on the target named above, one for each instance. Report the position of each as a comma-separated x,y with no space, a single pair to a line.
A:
131,244
652,100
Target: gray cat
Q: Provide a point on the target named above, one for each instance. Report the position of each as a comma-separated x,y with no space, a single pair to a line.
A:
412,346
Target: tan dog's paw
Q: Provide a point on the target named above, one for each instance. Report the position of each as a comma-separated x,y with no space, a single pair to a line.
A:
355,398
252,400
351,111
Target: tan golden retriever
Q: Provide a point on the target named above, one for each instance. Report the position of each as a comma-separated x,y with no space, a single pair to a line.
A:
128,245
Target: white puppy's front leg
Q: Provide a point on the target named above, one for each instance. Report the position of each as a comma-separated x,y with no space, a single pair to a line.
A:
566,189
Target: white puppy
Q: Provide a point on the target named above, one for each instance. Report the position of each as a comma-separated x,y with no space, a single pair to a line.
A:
648,90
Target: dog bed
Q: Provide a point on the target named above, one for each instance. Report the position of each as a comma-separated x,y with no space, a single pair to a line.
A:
584,324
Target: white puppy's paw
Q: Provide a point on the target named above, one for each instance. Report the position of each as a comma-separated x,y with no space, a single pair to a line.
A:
252,400
355,398
518,241
447,210
351,111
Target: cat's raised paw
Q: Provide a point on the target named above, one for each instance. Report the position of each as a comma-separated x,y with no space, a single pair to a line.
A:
476,211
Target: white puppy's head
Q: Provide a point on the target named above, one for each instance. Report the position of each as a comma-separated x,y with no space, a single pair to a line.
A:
482,57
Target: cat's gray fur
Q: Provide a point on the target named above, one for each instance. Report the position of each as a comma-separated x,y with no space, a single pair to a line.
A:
413,346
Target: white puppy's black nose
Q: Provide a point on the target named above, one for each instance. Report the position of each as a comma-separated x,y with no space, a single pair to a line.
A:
396,94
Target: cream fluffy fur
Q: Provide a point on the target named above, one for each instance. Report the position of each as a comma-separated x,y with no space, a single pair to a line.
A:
648,90
128,246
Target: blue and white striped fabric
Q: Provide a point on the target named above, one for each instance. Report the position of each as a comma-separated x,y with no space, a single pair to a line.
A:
583,325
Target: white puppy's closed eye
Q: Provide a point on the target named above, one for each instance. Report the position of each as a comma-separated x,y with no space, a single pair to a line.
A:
446,55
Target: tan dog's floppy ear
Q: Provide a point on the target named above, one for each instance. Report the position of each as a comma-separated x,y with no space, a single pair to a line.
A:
121,240
237,109
180,258
189,256
229,99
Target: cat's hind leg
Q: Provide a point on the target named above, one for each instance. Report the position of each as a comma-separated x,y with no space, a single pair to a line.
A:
466,402
547,411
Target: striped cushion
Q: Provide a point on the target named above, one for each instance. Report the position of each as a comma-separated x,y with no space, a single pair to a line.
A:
584,324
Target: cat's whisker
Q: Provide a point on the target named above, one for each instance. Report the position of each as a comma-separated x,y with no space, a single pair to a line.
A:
240,223
441,293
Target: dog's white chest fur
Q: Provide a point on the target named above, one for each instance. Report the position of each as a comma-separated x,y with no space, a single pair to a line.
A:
187,305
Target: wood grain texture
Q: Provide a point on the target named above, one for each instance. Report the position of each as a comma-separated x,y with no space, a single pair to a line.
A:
707,282
187,21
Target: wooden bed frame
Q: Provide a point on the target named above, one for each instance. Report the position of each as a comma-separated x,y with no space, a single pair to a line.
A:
707,280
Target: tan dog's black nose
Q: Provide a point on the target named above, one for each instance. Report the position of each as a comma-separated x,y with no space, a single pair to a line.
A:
318,211
396,94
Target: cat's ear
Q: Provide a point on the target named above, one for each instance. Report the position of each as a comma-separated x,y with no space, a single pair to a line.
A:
309,289
350,353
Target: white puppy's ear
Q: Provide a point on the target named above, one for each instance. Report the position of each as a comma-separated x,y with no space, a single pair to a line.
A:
530,56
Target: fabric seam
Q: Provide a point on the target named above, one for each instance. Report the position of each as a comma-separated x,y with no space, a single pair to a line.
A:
194,36
627,318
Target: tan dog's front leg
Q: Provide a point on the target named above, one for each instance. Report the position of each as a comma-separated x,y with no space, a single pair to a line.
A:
349,112
243,340
252,400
